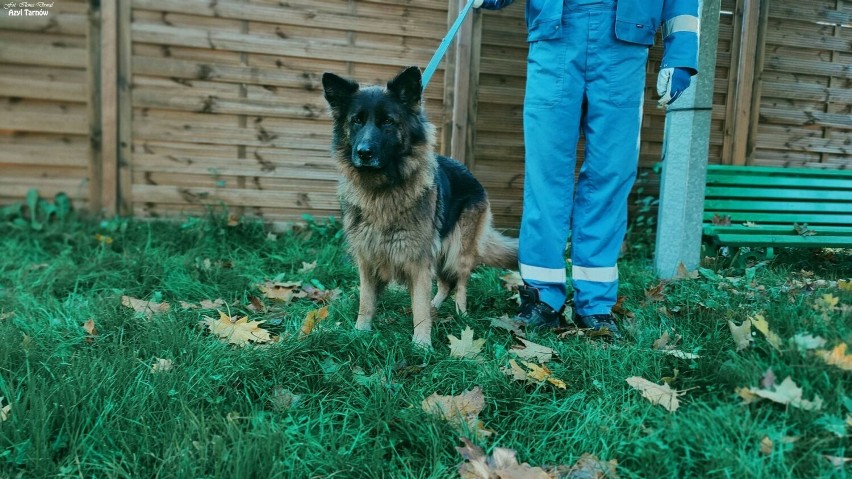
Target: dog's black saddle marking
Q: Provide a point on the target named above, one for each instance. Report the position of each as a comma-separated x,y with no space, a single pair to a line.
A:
457,188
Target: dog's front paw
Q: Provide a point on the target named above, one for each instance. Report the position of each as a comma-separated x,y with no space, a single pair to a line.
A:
422,343
363,325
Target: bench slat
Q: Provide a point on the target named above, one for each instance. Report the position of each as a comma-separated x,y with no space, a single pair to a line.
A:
756,205
777,171
732,193
781,218
777,229
817,241
778,181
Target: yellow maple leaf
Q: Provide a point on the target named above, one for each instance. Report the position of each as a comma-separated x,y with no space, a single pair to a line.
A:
837,357
238,331
283,292
844,284
659,394
90,328
536,373
466,347
826,303
312,318
762,325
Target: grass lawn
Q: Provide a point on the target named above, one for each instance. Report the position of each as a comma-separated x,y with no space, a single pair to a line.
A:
337,403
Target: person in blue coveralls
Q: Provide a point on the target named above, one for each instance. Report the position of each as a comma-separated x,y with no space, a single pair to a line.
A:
586,72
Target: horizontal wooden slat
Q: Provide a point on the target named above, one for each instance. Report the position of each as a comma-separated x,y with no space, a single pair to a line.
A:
756,205
759,217
839,197
785,241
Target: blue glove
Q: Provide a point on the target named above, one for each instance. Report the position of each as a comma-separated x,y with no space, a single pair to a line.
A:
671,83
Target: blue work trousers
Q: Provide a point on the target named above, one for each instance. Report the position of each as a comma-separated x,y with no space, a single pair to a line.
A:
587,81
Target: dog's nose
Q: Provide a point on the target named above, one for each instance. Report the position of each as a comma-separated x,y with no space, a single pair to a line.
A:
365,153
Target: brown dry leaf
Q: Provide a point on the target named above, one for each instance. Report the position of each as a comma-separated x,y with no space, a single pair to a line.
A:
462,411
511,325
146,308
721,220
515,370
502,464
540,373
233,220
788,393
5,411
162,365
683,273
837,357
741,334
762,325
238,331
655,293
466,347
531,350
90,328
621,310
312,318
588,467
323,296
662,343
512,281
803,230
284,292
766,446
660,394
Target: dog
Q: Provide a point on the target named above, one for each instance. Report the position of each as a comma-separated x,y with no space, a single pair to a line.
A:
409,215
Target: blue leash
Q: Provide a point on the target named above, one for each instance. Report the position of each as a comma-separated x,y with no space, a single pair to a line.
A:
445,43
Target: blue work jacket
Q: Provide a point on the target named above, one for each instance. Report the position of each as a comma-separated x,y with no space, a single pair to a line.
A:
637,21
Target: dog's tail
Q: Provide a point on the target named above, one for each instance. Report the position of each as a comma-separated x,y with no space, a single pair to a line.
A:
496,249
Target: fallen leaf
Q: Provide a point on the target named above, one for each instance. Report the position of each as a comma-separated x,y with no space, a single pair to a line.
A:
749,224
103,239
238,331
762,325
806,342
284,292
531,350
502,464
658,394
683,273
827,303
146,308
256,304
538,373
838,462
681,354
307,267
5,316
312,318
741,334
721,220
766,446
788,393
589,467
662,342
844,285
462,411
233,220
803,230
511,325
655,293
5,411
283,399
205,304
515,370
747,396
162,365
621,310
323,296
837,357
90,328
466,347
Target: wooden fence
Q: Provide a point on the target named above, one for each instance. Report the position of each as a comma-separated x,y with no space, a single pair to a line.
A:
165,107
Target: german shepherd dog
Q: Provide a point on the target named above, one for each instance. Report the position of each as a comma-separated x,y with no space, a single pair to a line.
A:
408,213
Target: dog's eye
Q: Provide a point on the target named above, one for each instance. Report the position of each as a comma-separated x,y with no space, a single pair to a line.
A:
358,120
388,121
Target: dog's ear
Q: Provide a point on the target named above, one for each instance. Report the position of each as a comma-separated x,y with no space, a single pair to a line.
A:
338,91
407,86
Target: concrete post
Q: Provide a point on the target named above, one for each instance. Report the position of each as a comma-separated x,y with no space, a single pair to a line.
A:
685,148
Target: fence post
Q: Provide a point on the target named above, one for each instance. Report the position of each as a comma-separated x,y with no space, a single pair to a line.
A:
109,106
686,143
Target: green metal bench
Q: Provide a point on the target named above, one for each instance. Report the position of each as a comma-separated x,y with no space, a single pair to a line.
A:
778,207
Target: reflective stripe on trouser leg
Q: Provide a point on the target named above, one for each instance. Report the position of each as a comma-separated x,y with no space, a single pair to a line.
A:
552,109
616,80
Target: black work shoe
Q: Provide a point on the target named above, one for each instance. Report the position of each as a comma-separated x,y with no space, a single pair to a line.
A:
534,313
599,323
